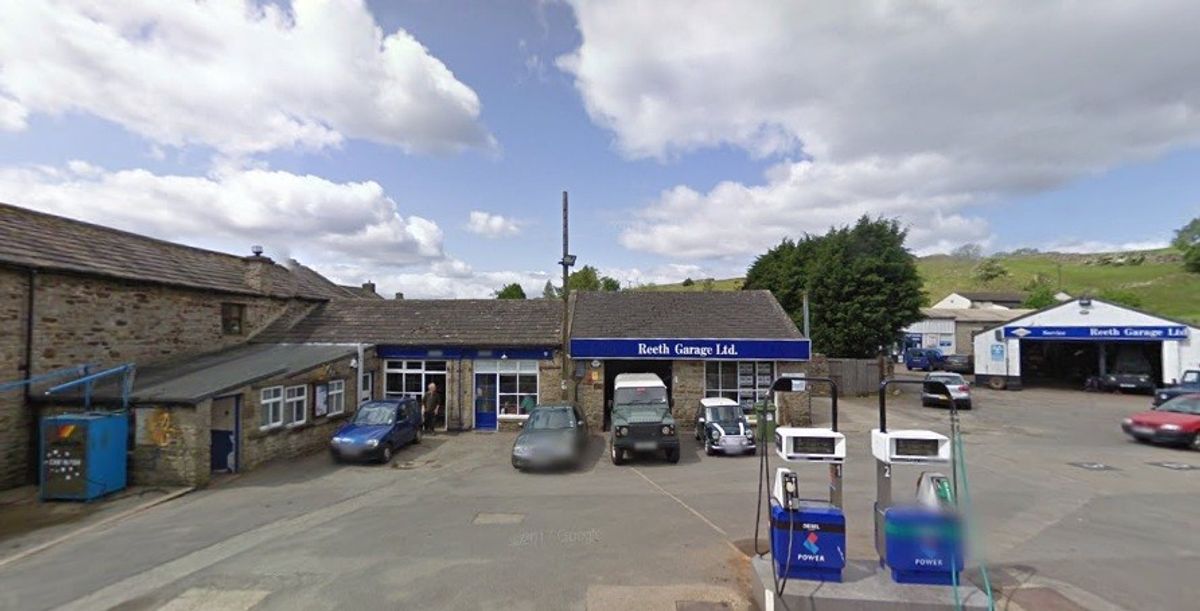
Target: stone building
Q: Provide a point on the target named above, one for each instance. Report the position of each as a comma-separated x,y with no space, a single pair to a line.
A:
74,293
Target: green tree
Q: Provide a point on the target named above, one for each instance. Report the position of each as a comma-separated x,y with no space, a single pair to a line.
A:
688,282
783,270
550,291
610,285
1040,296
1187,236
511,291
968,252
1121,297
988,271
1191,259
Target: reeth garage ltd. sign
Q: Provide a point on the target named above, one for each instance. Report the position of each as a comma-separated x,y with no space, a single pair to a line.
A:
1100,334
692,349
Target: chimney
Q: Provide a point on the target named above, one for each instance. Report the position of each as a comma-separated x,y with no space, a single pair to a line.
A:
369,286
399,296
258,270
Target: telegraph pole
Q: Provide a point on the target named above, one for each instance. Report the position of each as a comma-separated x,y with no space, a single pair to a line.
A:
567,261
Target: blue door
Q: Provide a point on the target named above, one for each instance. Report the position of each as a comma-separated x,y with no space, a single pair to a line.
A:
224,434
485,402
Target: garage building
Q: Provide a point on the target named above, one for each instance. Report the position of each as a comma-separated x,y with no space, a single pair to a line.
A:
1066,344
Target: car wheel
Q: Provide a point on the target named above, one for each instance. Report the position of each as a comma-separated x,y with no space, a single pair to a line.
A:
385,455
673,455
966,405
417,437
617,455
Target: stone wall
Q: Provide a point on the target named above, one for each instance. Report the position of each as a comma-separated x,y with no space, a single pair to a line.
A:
171,445
687,388
90,319
260,446
589,394
15,420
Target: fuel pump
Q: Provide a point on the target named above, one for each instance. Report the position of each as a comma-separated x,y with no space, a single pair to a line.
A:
920,540
808,536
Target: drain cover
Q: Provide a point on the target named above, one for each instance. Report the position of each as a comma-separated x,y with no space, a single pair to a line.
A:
498,518
1174,466
1093,466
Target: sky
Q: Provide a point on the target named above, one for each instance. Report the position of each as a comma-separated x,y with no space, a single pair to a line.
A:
424,145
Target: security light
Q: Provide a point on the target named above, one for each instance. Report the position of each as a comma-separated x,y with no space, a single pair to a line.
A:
568,260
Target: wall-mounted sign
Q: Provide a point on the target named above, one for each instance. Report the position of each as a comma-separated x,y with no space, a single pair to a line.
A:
998,352
1100,334
692,349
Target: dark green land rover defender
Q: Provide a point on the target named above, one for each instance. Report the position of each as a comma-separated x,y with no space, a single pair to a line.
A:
641,418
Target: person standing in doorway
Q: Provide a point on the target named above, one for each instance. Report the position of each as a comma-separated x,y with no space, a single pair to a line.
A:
433,407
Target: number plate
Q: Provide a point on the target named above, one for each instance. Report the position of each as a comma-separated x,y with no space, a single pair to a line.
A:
1129,386
1143,430
645,445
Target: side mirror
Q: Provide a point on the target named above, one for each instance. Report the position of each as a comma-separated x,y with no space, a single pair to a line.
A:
579,423
702,420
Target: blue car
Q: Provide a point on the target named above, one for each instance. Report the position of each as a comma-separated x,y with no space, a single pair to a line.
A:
378,429
923,359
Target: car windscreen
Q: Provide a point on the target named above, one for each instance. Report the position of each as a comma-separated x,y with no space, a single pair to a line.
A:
550,419
1191,377
723,413
641,395
1189,404
375,414
948,380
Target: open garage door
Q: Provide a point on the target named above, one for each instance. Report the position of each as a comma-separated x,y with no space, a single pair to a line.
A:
1071,364
616,367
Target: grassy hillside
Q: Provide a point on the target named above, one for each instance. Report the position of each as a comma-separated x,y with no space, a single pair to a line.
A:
1159,281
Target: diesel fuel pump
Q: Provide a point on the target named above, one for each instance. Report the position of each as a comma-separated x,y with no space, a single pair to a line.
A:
920,540
808,536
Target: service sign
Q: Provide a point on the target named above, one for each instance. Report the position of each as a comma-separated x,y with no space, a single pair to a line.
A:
692,349
1103,334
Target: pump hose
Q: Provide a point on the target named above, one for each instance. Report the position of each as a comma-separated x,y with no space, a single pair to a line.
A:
960,460
764,463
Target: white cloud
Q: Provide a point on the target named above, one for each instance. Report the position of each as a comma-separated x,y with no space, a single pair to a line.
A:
1096,246
916,109
301,215
242,77
438,282
492,225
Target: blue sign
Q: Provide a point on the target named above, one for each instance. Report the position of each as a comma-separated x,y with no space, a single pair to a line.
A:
998,352
1100,334
693,349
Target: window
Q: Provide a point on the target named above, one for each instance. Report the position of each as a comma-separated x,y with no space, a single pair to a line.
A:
507,386
295,400
232,317
368,386
271,407
411,378
746,382
337,397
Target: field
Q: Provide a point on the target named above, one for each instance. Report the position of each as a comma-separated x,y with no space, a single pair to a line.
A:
1159,281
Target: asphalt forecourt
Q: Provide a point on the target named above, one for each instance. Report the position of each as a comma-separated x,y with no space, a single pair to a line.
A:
1071,513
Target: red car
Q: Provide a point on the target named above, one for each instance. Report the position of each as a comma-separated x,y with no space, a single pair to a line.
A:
1176,422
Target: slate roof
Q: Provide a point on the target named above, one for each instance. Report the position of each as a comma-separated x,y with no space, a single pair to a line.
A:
44,241
359,292
427,322
705,315
198,378
975,315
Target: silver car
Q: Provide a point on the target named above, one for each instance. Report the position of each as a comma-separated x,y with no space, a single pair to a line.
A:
960,390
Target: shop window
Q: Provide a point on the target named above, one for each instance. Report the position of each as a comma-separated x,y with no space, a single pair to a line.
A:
411,378
295,405
337,397
271,407
509,387
746,382
232,318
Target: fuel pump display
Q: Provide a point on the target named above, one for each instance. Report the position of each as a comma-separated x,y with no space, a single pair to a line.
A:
808,536
920,540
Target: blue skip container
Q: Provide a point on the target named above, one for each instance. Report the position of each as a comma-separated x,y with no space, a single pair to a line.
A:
816,536
83,455
924,545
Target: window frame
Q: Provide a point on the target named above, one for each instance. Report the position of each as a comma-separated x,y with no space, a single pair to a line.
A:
366,389
289,404
518,368
335,398
269,407
760,391
240,309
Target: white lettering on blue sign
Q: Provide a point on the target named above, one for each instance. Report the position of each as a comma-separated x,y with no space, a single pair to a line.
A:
928,561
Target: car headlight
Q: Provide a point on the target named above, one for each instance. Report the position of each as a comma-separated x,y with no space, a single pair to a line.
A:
372,443
336,440
1127,421
522,450
714,434
1111,378
1170,427
622,431
668,429
1162,396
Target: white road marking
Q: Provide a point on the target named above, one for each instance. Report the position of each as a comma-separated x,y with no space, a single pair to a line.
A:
205,599
682,504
